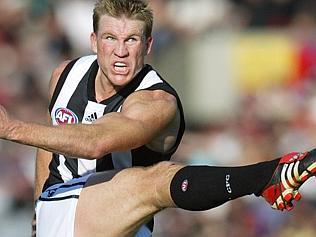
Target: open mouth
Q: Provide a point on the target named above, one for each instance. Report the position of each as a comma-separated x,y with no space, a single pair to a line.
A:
120,67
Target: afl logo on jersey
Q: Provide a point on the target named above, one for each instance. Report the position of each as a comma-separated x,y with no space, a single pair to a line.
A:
65,116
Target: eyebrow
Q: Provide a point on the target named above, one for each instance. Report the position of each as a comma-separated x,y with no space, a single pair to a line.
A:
128,36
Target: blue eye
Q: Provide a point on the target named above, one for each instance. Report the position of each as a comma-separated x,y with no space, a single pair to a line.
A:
131,40
110,38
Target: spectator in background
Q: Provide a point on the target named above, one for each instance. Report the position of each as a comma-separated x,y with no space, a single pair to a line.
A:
262,13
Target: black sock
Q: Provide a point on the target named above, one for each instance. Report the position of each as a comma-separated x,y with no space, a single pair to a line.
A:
198,188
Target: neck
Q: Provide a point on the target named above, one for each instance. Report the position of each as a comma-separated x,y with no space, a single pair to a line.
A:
104,88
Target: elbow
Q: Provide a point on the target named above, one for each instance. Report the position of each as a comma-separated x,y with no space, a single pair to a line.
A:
97,150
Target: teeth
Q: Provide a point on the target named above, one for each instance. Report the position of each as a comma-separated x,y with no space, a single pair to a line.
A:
120,64
120,67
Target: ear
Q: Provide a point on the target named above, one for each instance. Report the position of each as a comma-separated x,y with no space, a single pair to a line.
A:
93,42
149,43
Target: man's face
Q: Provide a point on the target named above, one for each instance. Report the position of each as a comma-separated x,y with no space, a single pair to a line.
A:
121,48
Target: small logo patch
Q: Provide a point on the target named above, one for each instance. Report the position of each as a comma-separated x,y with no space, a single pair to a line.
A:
184,185
92,117
228,187
65,116
51,192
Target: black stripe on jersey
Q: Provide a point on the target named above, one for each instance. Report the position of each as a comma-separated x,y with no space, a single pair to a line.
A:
115,104
150,225
60,83
59,198
105,163
91,81
143,156
54,176
72,166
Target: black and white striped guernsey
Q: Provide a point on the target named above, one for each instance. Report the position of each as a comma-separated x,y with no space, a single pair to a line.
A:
74,101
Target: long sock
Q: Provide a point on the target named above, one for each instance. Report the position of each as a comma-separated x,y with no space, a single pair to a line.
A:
198,188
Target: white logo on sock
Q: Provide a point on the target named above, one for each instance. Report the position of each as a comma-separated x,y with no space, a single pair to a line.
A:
228,188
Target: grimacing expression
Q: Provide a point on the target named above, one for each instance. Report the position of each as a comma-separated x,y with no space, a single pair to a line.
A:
121,48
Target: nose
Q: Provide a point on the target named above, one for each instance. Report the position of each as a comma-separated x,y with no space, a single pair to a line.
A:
121,50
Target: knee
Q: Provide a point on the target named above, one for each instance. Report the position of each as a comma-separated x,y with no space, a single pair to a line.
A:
149,175
164,166
161,175
162,169
150,183
145,175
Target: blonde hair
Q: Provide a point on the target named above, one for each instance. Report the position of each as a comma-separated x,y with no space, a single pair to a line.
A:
132,9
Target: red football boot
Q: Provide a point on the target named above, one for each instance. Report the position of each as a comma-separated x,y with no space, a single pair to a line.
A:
292,171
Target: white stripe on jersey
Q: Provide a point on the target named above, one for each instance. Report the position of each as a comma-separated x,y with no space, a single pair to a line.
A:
63,170
149,80
86,166
73,79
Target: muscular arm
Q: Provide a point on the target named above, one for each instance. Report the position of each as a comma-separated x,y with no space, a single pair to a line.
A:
143,116
141,119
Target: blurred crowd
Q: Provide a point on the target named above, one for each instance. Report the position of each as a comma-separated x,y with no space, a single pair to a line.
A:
270,123
37,35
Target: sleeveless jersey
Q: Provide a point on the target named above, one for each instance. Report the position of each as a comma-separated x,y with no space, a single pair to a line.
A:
74,101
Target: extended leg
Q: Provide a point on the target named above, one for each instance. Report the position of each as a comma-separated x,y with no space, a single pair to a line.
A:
118,207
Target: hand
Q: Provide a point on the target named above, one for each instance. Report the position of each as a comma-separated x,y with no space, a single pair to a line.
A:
4,122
